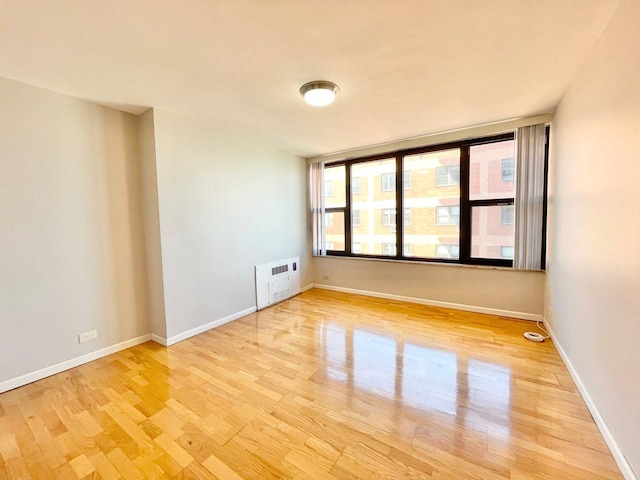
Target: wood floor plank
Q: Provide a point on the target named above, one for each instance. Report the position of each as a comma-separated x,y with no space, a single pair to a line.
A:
324,385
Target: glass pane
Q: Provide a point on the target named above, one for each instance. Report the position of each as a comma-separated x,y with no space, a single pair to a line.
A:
432,205
334,230
492,170
334,187
373,227
490,237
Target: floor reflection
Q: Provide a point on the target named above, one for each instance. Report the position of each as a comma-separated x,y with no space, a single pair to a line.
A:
473,393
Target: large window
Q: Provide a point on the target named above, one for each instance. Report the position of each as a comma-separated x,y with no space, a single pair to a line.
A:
457,202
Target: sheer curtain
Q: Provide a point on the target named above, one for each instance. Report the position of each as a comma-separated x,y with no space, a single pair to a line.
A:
529,196
316,178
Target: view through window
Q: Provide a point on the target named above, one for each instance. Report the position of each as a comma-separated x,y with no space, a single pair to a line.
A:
457,202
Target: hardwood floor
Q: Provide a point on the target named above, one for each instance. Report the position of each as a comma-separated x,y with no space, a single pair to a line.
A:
325,385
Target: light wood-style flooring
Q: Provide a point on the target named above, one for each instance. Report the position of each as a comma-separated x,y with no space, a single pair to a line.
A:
325,385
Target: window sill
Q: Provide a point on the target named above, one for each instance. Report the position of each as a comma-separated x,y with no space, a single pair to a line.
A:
432,264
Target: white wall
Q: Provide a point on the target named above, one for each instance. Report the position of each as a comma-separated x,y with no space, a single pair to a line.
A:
72,253
226,204
500,289
153,241
593,289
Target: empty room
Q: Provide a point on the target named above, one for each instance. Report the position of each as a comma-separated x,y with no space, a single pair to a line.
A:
304,239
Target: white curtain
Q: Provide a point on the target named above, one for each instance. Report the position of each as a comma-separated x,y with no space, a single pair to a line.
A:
530,153
316,178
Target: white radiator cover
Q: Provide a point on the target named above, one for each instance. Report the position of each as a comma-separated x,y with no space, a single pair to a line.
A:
276,281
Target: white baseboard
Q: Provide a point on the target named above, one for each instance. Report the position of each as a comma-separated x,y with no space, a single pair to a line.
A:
306,287
158,339
202,328
618,456
436,303
67,364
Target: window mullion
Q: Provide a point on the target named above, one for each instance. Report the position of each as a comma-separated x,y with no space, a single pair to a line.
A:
399,207
347,213
465,206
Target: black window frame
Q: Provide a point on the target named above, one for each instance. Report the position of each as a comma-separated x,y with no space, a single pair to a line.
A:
466,205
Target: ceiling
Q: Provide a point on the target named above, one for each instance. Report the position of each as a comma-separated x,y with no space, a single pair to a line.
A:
405,68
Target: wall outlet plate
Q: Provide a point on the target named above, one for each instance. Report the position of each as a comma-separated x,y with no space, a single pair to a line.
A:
87,336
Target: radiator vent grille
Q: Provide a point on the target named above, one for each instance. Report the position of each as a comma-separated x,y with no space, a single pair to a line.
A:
280,295
280,269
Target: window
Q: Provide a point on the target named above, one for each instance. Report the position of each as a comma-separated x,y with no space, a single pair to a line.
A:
507,214
406,178
335,203
491,199
355,184
329,245
506,252
449,175
447,251
389,181
471,221
355,218
448,215
388,217
328,219
507,169
388,248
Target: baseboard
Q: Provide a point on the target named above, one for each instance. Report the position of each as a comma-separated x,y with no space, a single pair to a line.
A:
67,364
436,303
306,287
167,342
158,339
617,454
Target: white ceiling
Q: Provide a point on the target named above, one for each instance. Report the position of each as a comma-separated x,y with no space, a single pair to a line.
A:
405,68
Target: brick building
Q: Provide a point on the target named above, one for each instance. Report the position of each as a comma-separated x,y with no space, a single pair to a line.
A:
431,197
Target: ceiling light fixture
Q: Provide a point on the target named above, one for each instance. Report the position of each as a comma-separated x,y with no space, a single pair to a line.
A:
319,92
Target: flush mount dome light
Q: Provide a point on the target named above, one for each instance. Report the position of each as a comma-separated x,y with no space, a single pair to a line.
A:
319,92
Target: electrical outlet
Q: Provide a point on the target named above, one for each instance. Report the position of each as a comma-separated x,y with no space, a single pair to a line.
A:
87,336
326,277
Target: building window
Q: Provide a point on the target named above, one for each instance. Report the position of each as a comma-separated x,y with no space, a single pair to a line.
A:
448,215
328,219
506,253
447,251
507,169
388,217
355,218
389,181
449,175
329,245
507,214
406,179
328,188
406,249
388,249
407,216
356,247
355,185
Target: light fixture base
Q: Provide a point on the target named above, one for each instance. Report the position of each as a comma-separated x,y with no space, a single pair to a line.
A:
319,92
